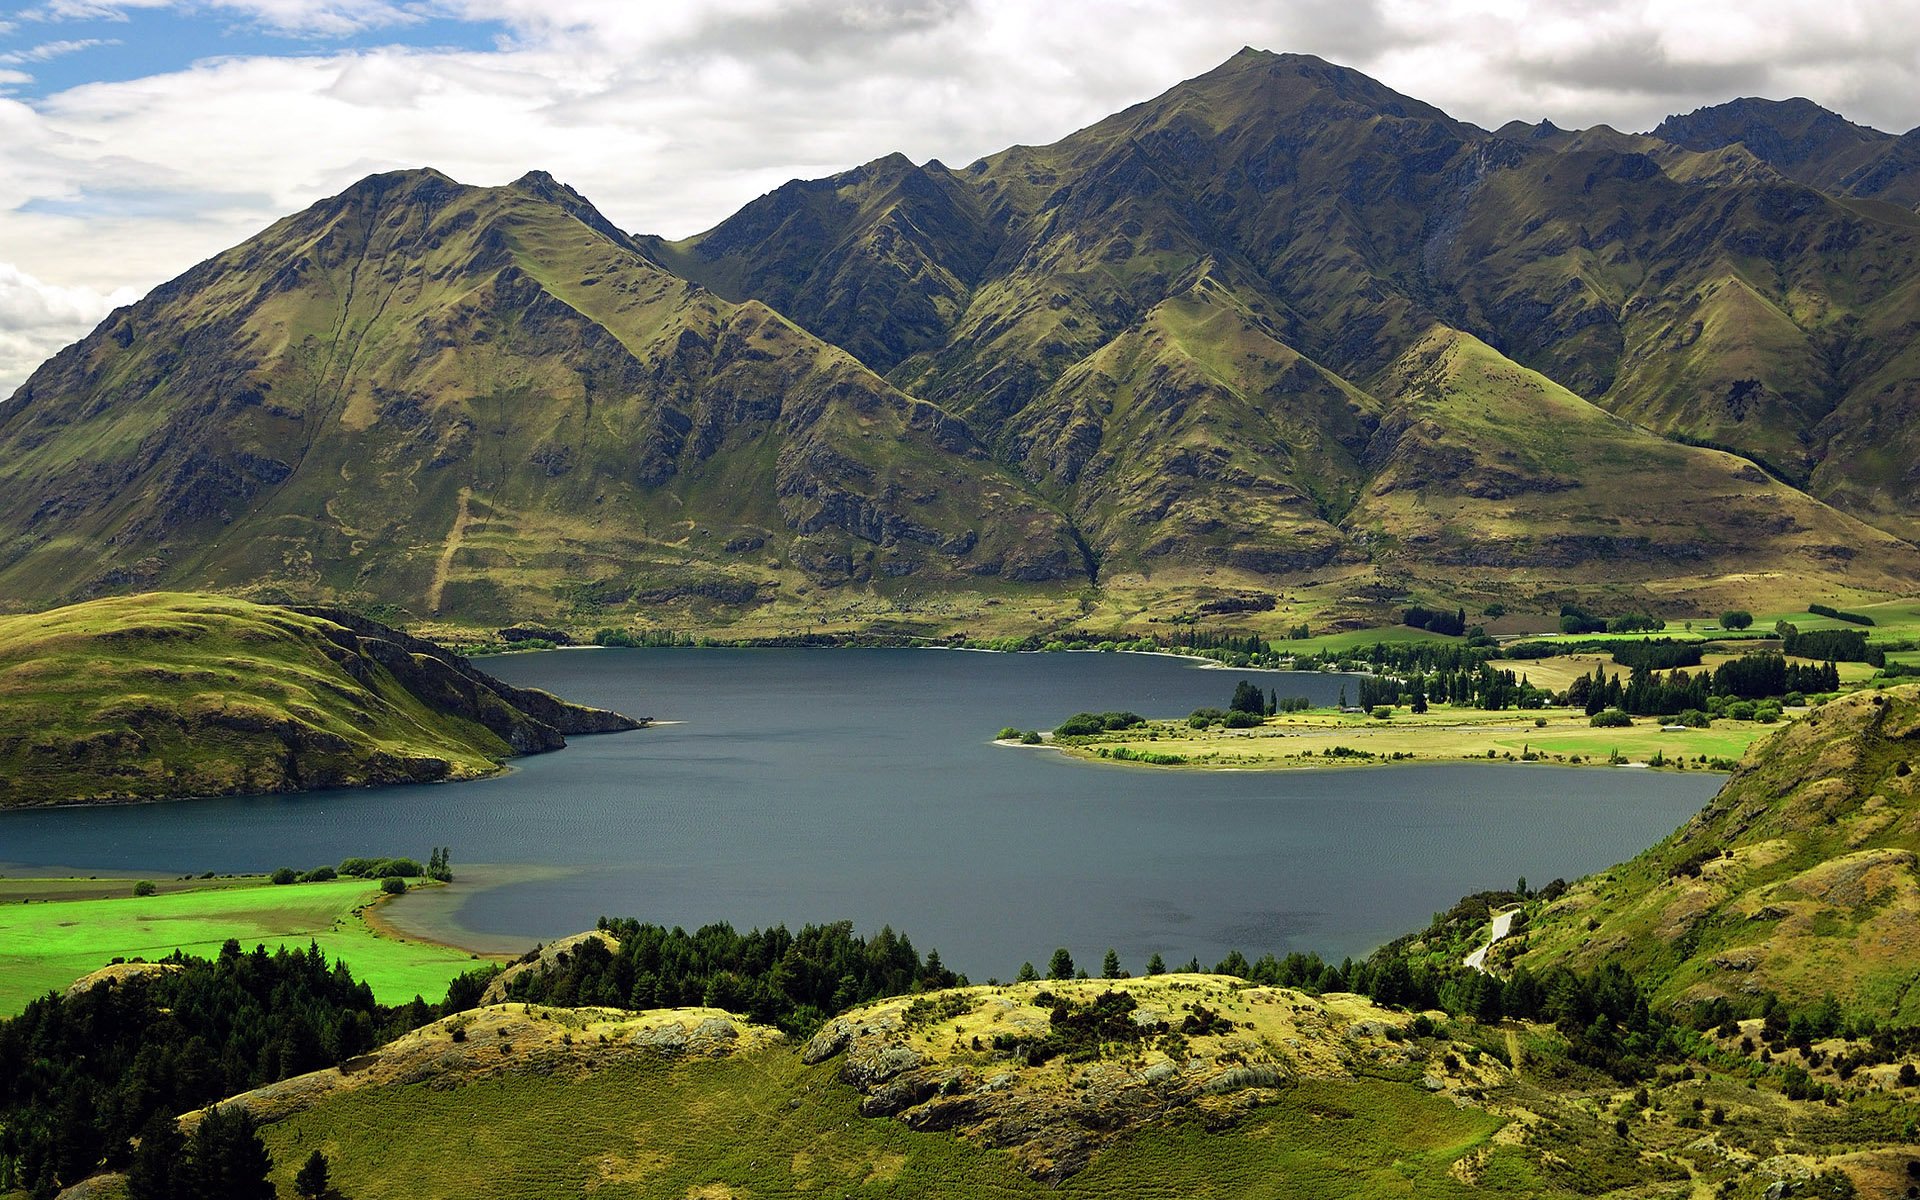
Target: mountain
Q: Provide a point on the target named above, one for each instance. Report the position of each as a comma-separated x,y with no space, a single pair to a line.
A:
456,398
1332,224
171,695
1807,143
1801,877
1280,327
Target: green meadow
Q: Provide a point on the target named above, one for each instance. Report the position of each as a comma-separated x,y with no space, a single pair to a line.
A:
52,932
762,1124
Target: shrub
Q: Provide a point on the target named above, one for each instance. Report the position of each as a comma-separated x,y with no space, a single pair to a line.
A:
393,885
1611,718
1086,724
1031,738
284,875
144,888
1381,712
380,868
1736,618
1242,720
320,875
1009,734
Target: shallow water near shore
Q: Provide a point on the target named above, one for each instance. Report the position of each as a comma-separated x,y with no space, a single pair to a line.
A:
817,785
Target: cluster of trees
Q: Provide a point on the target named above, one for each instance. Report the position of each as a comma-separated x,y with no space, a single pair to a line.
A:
1249,699
225,1158
1087,724
1827,610
1453,624
1574,619
633,638
80,1076
1838,645
794,981
1750,677
383,868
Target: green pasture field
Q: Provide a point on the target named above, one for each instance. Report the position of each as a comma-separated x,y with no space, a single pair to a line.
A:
46,944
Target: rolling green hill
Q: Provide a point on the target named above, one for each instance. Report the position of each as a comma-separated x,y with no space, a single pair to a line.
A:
1799,878
167,695
1278,328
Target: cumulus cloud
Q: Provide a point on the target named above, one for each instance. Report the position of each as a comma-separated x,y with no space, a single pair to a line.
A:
673,113
38,318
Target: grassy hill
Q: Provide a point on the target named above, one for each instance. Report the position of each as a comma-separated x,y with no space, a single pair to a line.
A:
165,695
550,1102
1800,876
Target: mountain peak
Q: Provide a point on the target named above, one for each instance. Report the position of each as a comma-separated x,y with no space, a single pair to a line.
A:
403,185
1783,132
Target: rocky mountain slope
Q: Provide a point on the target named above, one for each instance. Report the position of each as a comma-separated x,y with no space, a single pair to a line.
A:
1279,321
168,695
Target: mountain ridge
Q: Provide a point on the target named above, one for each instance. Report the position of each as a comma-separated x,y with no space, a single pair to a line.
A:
1179,345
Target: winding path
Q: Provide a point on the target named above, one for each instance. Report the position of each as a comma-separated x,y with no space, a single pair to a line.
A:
1502,926
447,551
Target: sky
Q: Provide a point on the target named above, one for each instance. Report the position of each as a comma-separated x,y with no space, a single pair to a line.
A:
138,137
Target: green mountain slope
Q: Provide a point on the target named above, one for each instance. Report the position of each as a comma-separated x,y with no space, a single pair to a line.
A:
1806,142
1690,287
1277,322
1802,876
167,695
472,401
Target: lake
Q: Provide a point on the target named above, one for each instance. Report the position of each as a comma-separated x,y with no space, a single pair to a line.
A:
817,785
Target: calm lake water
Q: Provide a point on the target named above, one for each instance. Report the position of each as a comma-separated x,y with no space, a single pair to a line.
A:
819,785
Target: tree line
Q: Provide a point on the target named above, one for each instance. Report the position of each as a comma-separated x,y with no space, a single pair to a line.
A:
81,1076
793,981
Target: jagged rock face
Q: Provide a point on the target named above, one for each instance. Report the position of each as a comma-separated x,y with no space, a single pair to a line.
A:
416,389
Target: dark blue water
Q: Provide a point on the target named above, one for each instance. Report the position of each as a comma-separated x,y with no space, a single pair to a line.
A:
817,785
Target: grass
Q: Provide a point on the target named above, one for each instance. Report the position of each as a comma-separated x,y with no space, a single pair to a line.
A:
174,694
1798,877
1315,738
761,1124
48,943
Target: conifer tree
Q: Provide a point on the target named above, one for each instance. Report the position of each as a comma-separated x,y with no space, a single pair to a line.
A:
311,1182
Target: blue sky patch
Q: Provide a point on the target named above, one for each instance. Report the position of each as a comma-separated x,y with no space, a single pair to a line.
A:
101,44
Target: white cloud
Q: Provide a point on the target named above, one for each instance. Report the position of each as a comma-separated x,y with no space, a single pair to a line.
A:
38,318
48,51
672,113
